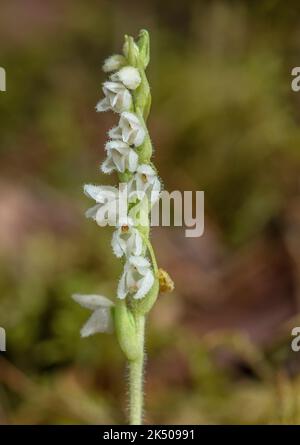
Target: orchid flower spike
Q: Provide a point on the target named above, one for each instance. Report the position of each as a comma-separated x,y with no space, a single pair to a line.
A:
127,208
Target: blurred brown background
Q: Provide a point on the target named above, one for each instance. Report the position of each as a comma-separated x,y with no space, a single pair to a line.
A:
224,120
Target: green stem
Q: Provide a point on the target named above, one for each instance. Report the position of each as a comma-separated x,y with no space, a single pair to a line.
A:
151,251
136,369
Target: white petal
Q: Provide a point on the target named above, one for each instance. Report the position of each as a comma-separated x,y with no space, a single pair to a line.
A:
92,191
103,105
103,214
129,76
139,137
146,169
122,101
122,291
108,165
155,192
138,244
131,281
156,185
125,101
92,301
114,87
118,98
145,285
133,160
113,63
127,133
116,245
139,261
130,117
115,144
92,211
119,161
115,133
100,193
99,321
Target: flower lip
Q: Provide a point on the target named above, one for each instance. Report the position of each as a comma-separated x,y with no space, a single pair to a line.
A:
129,76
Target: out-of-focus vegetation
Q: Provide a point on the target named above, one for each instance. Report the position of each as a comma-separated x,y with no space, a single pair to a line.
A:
224,120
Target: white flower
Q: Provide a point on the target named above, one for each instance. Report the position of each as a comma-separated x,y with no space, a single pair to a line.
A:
129,130
117,98
120,157
113,63
129,76
101,318
111,203
127,239
145,182
137,278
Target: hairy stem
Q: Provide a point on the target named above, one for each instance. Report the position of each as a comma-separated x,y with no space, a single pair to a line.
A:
152,255
136,369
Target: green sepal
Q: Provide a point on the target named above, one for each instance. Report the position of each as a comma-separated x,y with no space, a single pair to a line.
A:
142,96
126,330
147,106
144,47
131,51
145,151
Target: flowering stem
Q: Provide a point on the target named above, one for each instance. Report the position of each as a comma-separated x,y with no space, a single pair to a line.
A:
129,153
136,369
151,251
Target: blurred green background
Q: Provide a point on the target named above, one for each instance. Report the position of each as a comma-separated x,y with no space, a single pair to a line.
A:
224,120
